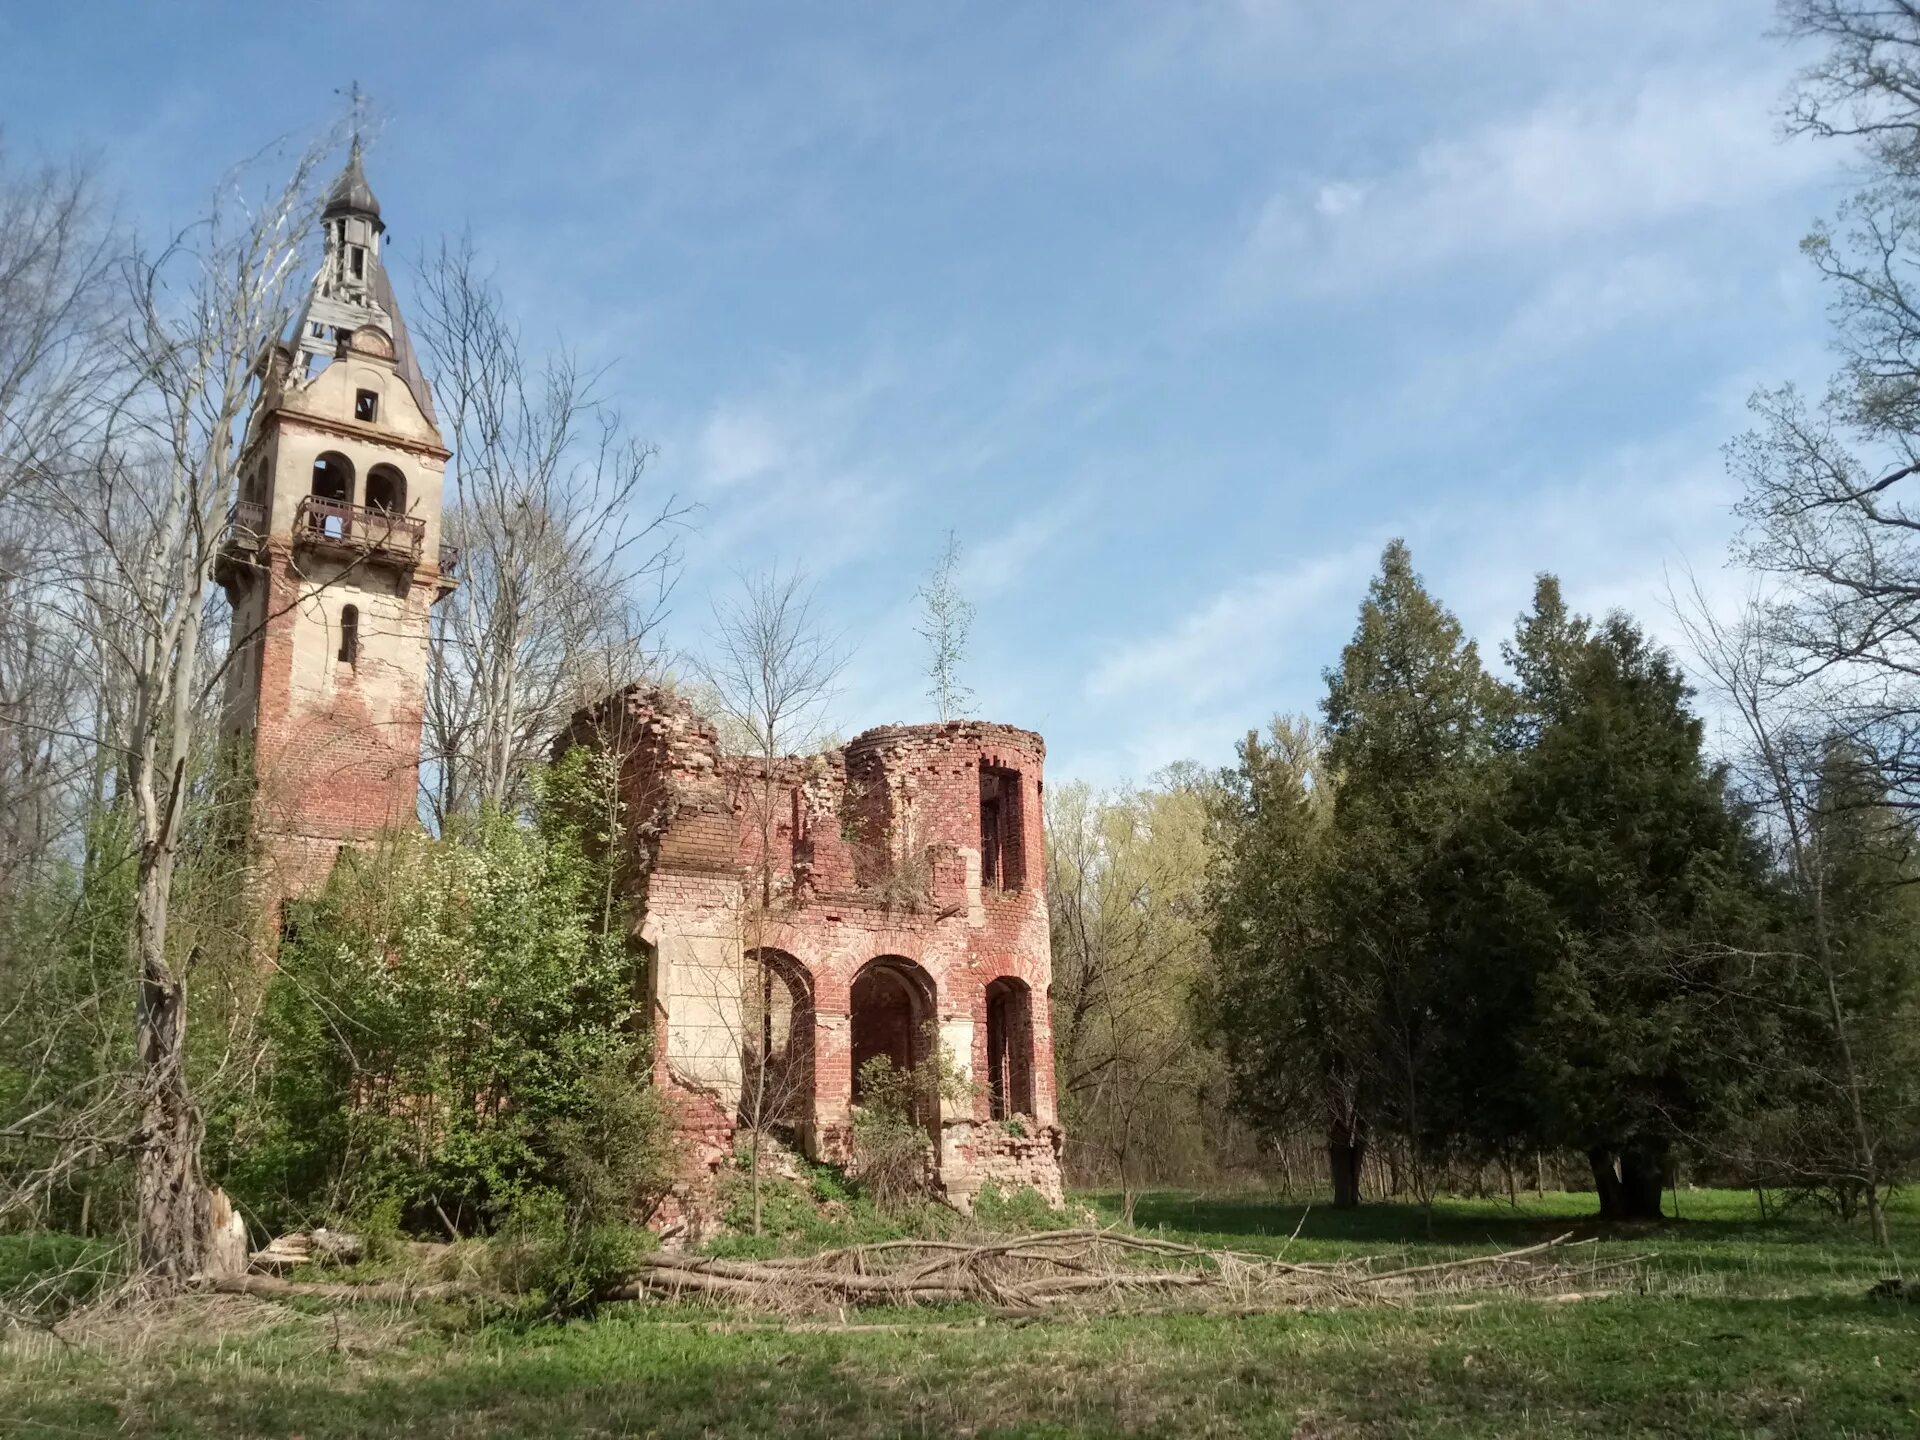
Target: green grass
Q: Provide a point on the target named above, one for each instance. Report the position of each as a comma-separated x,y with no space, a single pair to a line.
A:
1742,1329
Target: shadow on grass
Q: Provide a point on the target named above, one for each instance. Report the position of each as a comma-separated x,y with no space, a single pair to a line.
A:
1708,1221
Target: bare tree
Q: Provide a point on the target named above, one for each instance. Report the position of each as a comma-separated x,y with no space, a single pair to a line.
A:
59,304
946,624
1829,480
142,525
1787,772
565,561
772,672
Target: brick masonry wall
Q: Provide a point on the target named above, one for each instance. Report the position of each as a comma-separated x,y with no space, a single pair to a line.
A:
892,797
336,744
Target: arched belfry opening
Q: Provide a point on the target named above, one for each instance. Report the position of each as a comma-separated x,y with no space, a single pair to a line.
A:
776,1052
330,506
1009,1049
892,1017
333,477
386,490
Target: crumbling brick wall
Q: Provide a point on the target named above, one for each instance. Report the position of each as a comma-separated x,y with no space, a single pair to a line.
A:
876,851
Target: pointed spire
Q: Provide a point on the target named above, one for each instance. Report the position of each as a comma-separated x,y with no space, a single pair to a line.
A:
351,195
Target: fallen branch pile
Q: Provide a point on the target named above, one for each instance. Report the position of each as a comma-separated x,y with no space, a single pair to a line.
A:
1101,1269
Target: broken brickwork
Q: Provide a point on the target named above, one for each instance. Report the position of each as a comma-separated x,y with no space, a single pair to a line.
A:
908,908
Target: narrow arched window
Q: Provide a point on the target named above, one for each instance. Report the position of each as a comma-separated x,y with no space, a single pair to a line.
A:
350,634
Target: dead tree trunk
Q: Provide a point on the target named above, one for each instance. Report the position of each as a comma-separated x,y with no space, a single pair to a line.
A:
172,1197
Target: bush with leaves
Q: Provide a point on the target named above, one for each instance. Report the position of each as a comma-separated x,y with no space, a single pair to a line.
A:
892,1146
66,1002
453,1030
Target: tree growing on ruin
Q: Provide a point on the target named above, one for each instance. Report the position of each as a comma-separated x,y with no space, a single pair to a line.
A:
946,624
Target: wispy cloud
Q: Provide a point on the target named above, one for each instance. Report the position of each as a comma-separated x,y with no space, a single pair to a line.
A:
737,444
1002,561
1229,638
1576,164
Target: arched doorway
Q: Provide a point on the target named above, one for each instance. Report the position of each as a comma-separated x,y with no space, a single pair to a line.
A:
1009,1048
892,1014
776,1050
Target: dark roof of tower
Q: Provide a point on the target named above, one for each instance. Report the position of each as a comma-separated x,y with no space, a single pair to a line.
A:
351,195
405,361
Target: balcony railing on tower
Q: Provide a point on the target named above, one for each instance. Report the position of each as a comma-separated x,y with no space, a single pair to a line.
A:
359,527
247,525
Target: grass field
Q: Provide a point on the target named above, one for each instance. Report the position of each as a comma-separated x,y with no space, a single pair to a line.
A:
1740,1328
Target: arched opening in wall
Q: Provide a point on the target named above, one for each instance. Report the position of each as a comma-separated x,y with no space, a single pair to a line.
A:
892,1016
1009,1048
350,634
386,490
776,1046
329,510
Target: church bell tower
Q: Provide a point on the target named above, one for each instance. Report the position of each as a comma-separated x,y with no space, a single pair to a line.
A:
333,561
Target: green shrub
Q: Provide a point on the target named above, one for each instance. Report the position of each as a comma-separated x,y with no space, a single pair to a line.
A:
548,1253
892,1149
1022,1209
453,1030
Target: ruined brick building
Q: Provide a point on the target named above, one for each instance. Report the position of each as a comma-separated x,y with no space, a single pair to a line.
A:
908,909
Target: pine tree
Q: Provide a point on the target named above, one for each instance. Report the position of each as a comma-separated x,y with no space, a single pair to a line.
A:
1616,882
1282,1029
1410,714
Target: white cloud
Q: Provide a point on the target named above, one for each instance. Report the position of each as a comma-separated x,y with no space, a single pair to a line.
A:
736,444
1002,561
1575,165
1339,197
1207,652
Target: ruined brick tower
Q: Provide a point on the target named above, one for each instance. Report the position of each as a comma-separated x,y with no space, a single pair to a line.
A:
333,560
909,910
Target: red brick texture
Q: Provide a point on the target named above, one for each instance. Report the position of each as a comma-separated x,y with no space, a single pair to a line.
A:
877,852
340,765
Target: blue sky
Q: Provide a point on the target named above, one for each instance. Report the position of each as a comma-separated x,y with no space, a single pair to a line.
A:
1175,312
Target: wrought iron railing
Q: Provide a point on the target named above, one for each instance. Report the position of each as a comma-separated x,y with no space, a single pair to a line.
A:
247,524
449,559
367,527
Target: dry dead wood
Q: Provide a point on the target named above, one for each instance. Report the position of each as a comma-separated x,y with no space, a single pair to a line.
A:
1094,1269
267,1287
1084,1270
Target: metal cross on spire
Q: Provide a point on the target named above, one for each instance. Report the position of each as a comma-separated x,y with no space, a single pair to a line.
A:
356,111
